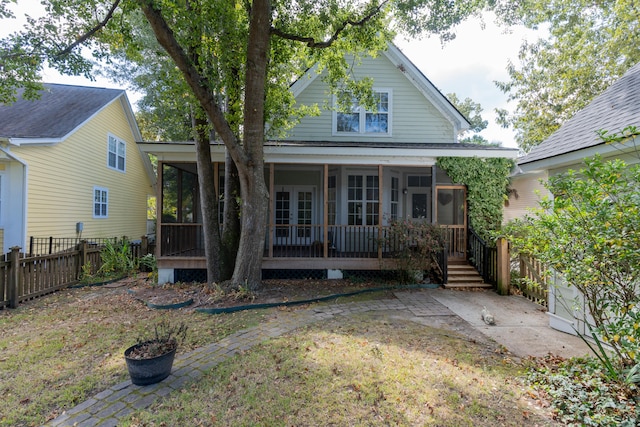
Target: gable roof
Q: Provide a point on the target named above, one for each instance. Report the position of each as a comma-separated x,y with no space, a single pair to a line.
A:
413,74
613,110
60,110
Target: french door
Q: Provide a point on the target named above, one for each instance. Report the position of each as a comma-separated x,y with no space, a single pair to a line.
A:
294,215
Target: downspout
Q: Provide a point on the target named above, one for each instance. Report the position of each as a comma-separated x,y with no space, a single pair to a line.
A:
25,168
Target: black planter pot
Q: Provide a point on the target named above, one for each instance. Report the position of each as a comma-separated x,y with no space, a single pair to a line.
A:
149,371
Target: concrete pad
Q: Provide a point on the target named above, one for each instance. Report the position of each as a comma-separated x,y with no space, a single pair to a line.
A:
520,325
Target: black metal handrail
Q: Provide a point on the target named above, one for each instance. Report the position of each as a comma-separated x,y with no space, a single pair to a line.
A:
483,257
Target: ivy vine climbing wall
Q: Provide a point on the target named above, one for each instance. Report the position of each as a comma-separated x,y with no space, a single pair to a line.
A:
486,181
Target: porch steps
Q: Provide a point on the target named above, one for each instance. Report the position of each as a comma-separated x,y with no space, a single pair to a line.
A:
463,275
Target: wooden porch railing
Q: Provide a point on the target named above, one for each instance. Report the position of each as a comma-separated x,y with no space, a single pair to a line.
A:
456,238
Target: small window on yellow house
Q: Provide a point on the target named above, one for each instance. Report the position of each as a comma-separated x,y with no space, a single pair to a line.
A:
100,202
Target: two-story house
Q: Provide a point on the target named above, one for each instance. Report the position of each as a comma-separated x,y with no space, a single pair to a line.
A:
337,179
70,167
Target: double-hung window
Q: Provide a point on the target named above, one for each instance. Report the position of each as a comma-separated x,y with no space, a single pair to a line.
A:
356,119
116,155
100,202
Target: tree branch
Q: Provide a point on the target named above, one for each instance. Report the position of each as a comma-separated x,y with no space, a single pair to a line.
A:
313,43
196,81
86,36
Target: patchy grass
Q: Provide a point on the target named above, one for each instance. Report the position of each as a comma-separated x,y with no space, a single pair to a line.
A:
362,370
59,350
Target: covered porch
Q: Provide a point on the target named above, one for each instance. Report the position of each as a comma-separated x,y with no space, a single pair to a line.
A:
330,206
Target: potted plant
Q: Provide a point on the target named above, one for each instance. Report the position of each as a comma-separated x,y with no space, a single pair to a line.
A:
150,360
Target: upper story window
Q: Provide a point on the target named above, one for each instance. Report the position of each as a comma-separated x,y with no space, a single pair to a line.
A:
117,153
358,120
100,202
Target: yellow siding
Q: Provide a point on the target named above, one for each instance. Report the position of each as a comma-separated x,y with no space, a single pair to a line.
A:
61,179
530,190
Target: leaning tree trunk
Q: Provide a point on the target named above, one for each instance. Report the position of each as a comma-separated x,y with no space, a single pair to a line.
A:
208,202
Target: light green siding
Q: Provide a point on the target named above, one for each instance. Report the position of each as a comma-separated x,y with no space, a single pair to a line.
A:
414,118
61,179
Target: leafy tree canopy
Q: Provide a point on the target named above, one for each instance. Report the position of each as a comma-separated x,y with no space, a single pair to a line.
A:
590,45
473,112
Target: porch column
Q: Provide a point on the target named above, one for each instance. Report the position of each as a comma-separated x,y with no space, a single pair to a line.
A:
272,218
325,215
380,194
159,204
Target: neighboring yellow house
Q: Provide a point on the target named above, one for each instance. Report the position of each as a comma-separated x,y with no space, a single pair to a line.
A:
70,167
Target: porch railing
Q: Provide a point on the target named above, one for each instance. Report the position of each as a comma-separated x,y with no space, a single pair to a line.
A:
483,257
303,241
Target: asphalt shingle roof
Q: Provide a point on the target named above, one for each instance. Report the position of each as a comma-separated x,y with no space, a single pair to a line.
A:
613,110
60,109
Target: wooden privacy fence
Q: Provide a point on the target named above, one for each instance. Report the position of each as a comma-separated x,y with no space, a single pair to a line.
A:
26,277
533,282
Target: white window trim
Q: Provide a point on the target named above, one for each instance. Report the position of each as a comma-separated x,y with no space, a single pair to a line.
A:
118,142
93,204
362,112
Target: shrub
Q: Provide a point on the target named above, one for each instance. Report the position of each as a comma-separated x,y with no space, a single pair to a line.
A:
414,247
590,234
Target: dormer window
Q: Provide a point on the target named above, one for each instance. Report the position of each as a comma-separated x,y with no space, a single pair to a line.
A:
358,120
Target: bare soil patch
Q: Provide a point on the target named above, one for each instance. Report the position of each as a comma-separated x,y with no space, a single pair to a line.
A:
271,291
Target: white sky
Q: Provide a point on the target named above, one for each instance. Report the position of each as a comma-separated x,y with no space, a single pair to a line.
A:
466,66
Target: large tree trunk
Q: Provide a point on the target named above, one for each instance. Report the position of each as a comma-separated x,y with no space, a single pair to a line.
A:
231,224
248,156
208,202
255,195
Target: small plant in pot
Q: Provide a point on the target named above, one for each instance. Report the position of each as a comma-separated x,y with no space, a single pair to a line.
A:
150,360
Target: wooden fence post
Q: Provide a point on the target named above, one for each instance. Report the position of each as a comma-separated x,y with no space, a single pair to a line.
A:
82,257
144,246
14,276
504,267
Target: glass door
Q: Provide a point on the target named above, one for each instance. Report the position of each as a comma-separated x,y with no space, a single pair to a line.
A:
294,214
451,213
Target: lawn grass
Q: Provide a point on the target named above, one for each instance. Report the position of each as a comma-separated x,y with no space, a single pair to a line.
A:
61,349
367,369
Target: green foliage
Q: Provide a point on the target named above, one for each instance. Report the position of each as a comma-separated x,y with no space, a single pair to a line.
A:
486,181
473,112
583,395
590,234
590,45
414,246
117,259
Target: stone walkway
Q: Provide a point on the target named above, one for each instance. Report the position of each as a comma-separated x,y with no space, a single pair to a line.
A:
106,408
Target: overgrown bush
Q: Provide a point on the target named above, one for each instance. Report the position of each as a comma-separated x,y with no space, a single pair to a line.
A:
590,234
414,247
117,259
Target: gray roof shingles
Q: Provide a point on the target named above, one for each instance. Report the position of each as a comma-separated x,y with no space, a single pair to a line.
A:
60,109
613,110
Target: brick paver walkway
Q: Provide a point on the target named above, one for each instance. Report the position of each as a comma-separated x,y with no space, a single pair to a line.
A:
106,408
